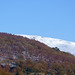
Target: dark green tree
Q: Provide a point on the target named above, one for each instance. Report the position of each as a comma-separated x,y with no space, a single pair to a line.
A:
17,73
56,48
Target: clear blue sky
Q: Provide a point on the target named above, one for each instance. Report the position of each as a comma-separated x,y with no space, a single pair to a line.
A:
49,18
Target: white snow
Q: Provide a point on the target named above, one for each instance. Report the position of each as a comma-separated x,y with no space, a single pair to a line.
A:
65,46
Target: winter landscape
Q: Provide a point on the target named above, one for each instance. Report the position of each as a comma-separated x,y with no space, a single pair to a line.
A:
37,37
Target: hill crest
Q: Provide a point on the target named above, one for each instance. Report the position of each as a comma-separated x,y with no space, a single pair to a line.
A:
63,45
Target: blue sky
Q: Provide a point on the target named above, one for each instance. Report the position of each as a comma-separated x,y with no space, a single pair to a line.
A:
49,18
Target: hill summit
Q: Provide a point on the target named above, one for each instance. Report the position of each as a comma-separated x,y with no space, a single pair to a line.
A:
63,45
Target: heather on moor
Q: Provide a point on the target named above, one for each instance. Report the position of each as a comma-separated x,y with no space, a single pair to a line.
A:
23,56
37,37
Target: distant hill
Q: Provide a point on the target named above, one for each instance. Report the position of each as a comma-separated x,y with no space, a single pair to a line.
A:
63,45
20,55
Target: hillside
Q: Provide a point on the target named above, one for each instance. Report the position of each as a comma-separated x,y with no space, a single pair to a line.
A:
20,56
63,45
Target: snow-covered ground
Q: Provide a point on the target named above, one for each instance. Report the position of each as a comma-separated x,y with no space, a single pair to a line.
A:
65,46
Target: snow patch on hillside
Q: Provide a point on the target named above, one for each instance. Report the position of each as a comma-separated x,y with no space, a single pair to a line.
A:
65,46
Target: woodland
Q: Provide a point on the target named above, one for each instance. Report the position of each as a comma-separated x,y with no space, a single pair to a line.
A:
23,56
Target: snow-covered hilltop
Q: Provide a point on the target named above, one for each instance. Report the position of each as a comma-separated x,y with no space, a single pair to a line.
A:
65,46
